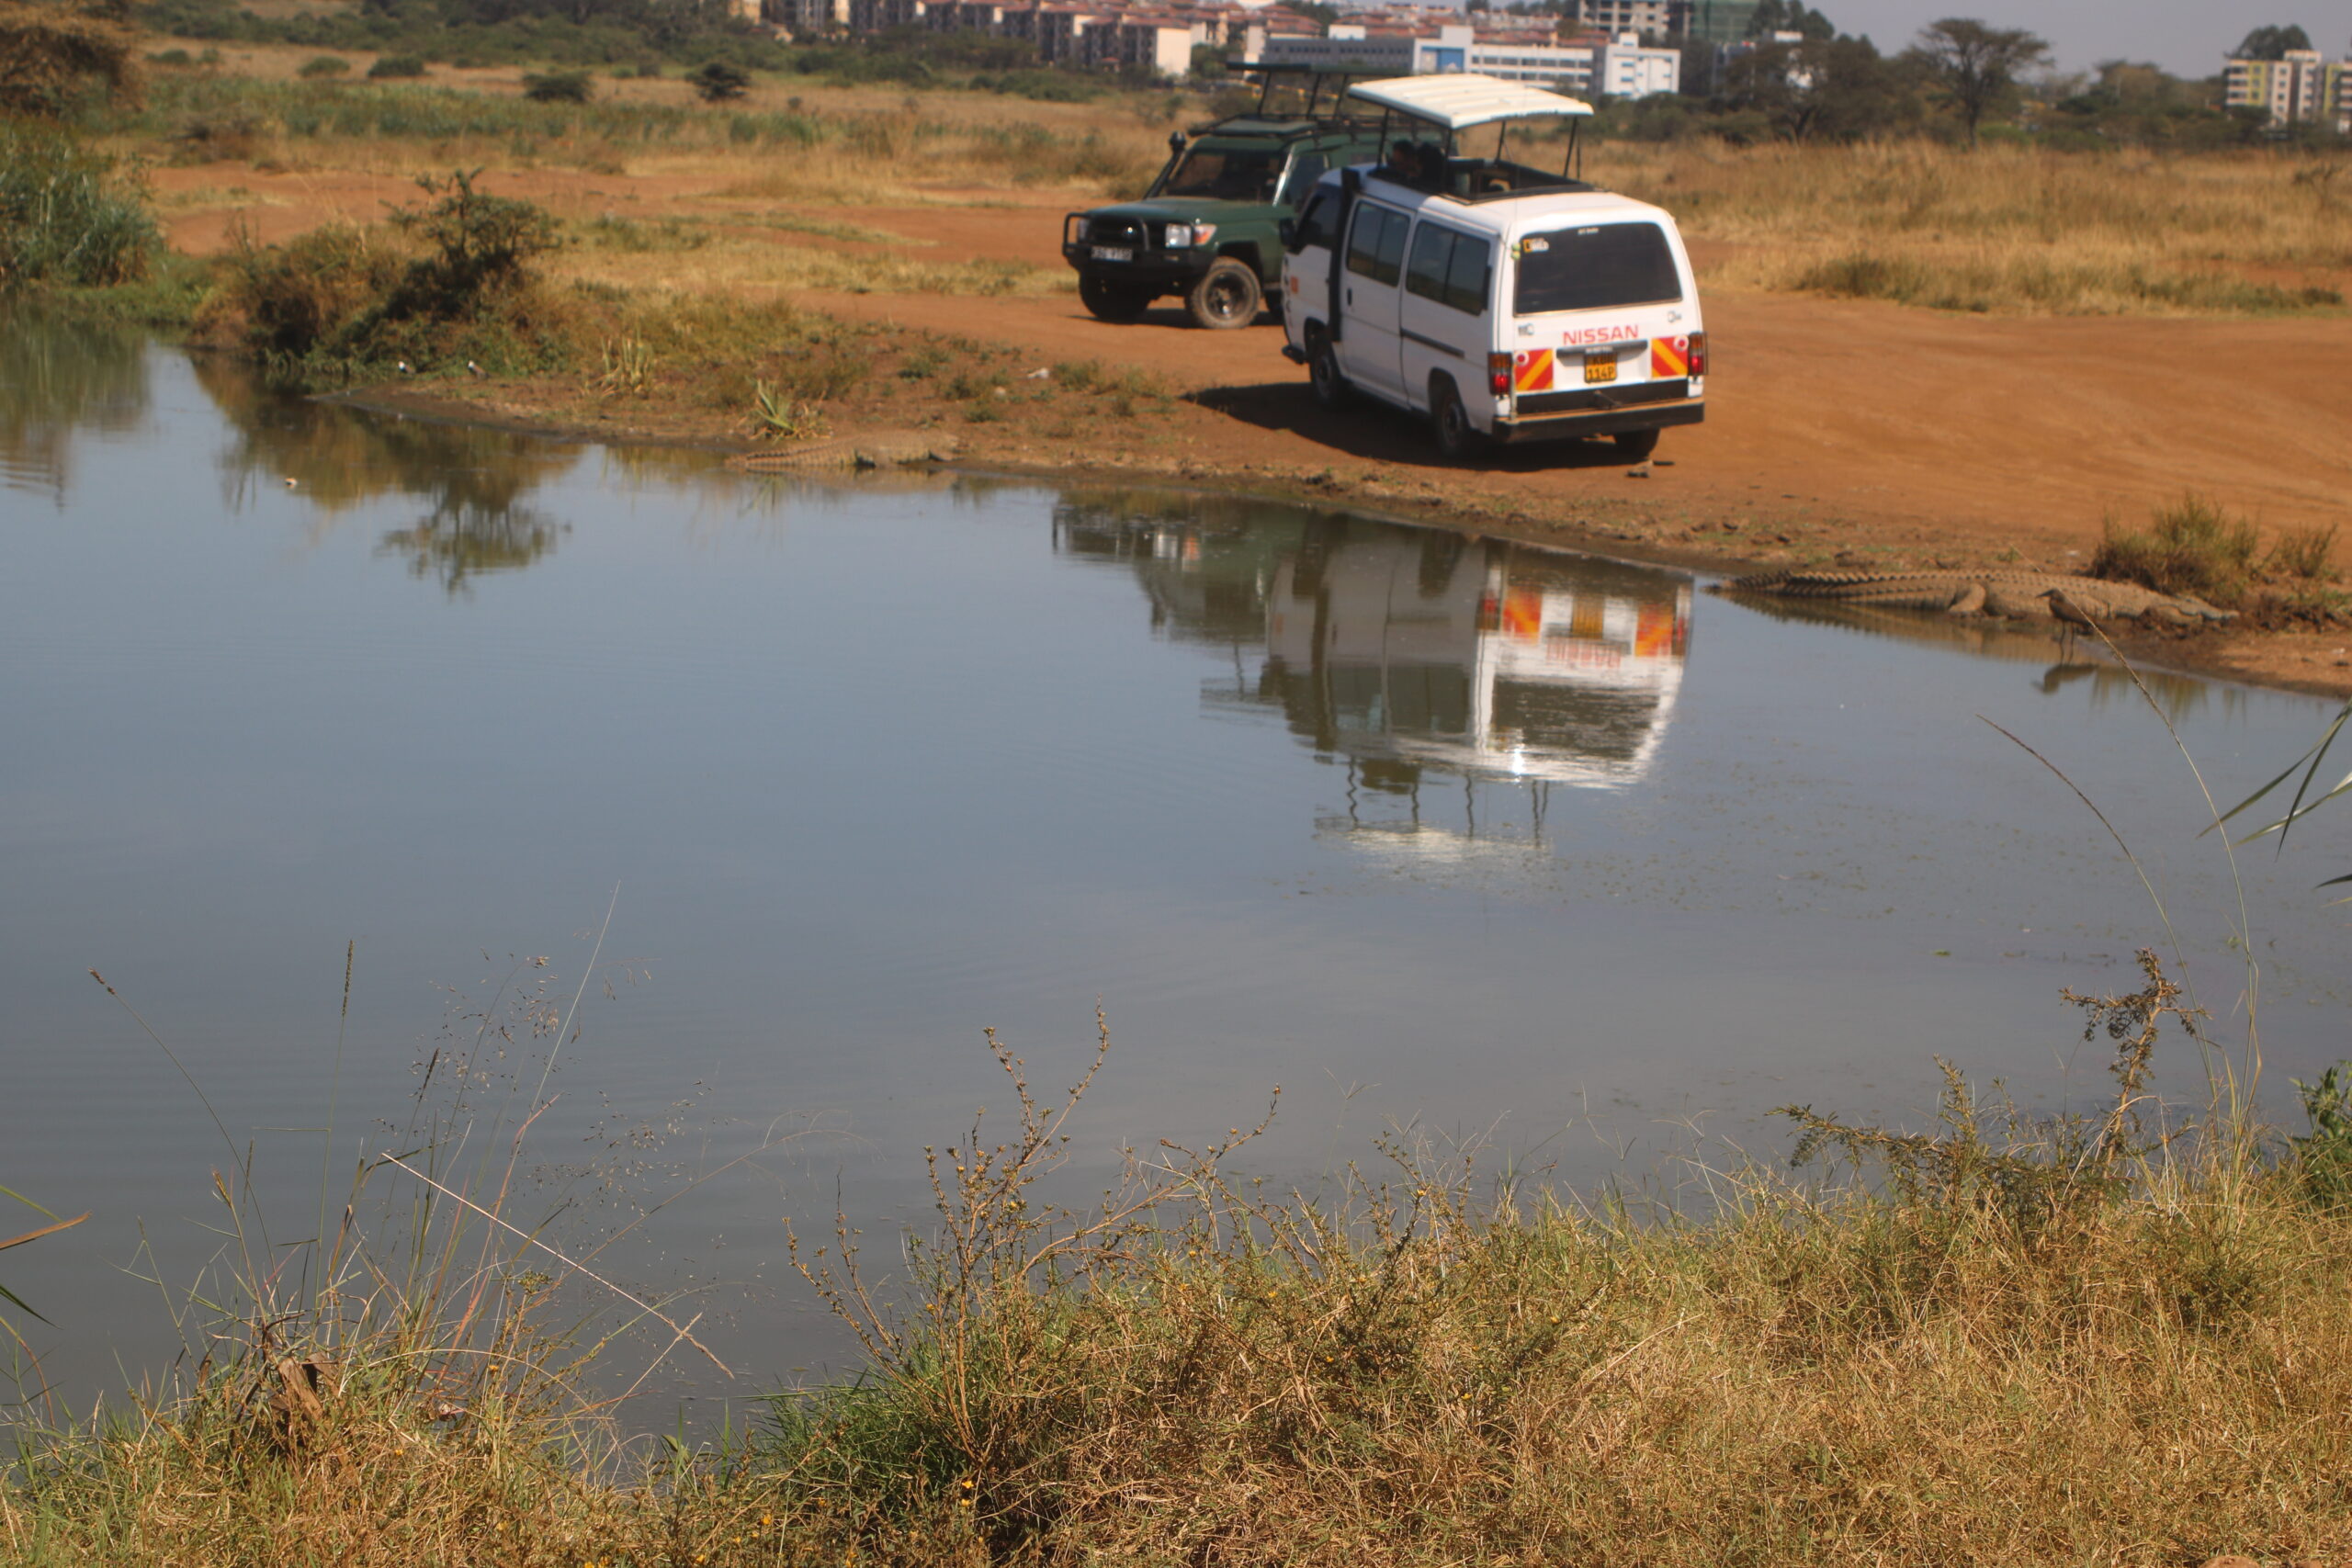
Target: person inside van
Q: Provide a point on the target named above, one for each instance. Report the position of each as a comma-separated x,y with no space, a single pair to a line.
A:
1433,170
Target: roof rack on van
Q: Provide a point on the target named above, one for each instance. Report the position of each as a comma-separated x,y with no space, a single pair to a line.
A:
1455,102
1458,101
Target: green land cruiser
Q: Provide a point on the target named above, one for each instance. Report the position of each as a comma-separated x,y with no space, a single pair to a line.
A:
1209,227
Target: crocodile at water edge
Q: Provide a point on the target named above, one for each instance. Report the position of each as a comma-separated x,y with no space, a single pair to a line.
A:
876,449
2017,595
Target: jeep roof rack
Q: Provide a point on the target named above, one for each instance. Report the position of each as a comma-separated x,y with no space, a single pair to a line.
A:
1324,87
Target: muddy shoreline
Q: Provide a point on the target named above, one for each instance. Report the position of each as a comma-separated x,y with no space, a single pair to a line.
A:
1658,534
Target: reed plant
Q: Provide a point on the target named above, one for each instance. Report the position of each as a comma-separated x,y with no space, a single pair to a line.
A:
67,215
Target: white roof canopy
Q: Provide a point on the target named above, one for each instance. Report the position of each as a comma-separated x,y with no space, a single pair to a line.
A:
1458,100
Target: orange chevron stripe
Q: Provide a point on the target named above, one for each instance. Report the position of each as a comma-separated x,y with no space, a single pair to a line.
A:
1532,370
1669,358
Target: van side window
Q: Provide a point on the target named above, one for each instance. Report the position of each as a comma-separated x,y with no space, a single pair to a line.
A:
1316,225
1596,268
1450,267
1470,275
1432,254
1376,243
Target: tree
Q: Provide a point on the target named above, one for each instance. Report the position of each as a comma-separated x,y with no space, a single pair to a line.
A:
558,87
1820,89
1789,17
2272,43
1975,65
718,82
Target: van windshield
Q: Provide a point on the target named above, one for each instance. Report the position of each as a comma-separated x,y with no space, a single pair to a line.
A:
1595,267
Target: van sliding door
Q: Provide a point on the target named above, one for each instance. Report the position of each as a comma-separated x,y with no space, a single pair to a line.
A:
1444,329
1371,279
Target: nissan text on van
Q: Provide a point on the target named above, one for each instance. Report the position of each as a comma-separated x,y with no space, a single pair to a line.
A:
1504,302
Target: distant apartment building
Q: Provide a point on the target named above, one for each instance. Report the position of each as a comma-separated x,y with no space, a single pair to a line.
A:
2300,88
1621,66
1159,36
881,15
1705,21
1654,17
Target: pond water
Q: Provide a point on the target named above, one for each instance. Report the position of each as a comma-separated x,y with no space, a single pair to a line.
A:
810,782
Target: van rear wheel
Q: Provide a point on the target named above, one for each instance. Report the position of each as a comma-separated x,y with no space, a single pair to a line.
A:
1226,296
1110,301
1456,437
1635,446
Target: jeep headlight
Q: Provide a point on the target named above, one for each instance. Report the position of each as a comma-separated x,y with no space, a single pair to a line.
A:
1183,236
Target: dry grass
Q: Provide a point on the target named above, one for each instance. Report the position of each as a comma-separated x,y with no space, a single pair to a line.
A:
741,267
2009,229
2094,1339
2194,546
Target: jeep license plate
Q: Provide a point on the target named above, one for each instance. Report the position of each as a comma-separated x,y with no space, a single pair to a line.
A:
1599,368
1113,253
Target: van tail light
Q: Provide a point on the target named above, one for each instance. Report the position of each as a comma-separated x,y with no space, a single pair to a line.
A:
1499,374
1698,355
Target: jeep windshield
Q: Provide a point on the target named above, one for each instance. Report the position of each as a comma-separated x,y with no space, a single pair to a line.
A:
1596,268
1224,174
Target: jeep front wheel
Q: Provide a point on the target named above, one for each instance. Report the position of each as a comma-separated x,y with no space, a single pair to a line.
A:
1110,301
1226,296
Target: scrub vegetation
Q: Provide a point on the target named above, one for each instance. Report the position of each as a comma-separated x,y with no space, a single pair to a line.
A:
2193,545
2115,1335
2009,227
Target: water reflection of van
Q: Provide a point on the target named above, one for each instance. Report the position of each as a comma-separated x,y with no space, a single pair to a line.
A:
1503,662
1406,649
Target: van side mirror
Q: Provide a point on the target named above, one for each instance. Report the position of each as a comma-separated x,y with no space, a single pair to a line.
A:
1288,229
1175,141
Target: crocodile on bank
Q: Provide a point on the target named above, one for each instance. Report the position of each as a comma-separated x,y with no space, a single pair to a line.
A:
876,449
2016,596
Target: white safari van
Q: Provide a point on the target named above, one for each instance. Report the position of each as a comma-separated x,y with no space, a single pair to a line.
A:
1504,302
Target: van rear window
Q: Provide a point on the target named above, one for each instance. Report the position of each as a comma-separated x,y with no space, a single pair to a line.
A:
1595,267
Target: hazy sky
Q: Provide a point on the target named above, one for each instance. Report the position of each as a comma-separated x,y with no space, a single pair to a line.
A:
2188,38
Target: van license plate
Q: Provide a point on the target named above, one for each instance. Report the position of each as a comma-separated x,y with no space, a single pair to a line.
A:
1113,253
1599,368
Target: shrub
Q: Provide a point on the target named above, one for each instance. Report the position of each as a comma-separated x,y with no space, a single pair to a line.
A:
480,243
341,301
390,66
296,296
2323,1155
172,57
2308,553
63,217
2192,548
324,66
559,87
54,56
718,82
